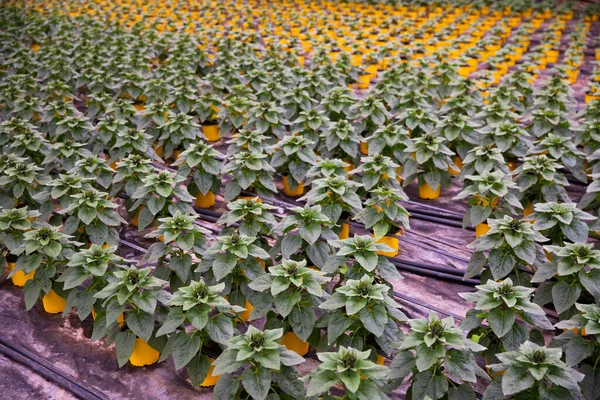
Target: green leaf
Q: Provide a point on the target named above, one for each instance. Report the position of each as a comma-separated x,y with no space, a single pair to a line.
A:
565,294
290,244
501,263
427,385
374,319
462,392
302,319
479,214
268,358
226,388
285,302
185,347
288,380
124,345
173,320
257,382
591,381
337,325
141,323
350,379
220,328
198,368
321,382
516,380
501,321
402,365
461,364
223,265
427,356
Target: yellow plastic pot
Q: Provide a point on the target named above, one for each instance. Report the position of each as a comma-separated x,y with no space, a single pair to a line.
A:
427,193
245,315
380,359
210,379
364,148
345,232
349,167
20,277
293,343
528,210
143,354
391,242
120,318
211,132
481,229
158,149
204,201
364,81
511,166
139,107
135,219
287,189
458,162
53,303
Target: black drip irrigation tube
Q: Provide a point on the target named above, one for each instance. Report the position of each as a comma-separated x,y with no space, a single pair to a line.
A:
47,370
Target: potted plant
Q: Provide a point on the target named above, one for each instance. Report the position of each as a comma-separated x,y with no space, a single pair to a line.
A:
207,314
383,213
85,275
93,218
93,167
377,170
437,357
130,174
363,307
484,191
337,196
430,165
349,368
180,243
341,140
236,260
204,165
134,293
268,366
249,170
295,289
535,371
157,198
248,140
513,244
561,221
44,252
499,304
562,148
539,180
13,223
570,271
252,217
206,108
292,157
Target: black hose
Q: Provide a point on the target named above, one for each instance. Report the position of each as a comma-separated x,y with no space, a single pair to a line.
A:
47,370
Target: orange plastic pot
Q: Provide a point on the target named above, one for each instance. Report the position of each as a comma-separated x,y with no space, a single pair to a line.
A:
391,242
345,232
349,167
528,210
210,380
287,189
380,359
20,277
427,193
143,354
204,200
53,303
211,132
364,148
481,229
293,343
